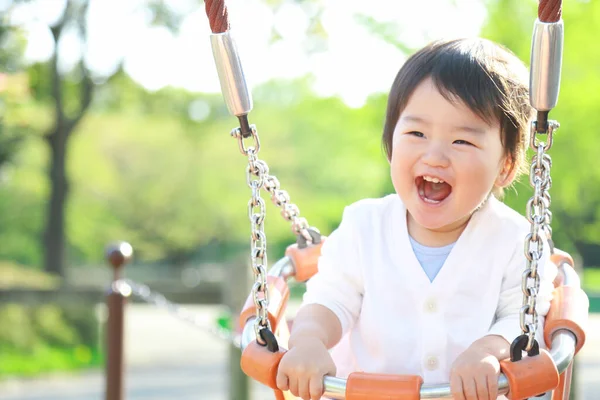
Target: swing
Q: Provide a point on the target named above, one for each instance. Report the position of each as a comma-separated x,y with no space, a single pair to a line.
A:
263,331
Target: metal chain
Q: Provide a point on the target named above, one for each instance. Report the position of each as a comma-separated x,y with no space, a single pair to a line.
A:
281,198
127,287
256,172
540,217
257,178
289,211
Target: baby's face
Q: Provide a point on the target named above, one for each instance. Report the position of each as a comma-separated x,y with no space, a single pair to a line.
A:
445,159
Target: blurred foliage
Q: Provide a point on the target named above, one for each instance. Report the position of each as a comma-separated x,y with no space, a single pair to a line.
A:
591,280
14,275
45,338
172,185
576,177
20,212
143,169
70,92
12,45
45,359
160,170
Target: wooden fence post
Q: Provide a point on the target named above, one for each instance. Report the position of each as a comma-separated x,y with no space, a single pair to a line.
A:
118,255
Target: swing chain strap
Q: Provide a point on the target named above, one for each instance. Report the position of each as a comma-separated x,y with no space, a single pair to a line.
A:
281,198
540,217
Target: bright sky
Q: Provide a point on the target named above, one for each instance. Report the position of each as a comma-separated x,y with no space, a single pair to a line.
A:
354,65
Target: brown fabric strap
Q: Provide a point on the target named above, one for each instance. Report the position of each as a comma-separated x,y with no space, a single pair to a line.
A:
550,10
216,10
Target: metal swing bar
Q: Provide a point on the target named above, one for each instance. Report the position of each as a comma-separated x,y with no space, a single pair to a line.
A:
261,351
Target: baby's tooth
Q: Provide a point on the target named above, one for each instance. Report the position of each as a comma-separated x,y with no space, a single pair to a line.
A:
432,179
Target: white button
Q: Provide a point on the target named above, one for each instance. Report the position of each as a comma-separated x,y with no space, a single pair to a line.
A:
432,363
430,306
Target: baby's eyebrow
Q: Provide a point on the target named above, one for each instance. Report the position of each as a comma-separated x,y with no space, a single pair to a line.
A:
463,128
470,129
413,118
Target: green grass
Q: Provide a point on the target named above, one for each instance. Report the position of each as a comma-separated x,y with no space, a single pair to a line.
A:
591,280
47,359
591,284
13,275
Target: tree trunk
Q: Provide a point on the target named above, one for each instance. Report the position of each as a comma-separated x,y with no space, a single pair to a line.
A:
54,236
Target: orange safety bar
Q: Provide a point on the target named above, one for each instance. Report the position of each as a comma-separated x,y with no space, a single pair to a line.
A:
305,260
527,377
365,386
558,258
568,310
279,294
261,364
570,304
573,318
530,376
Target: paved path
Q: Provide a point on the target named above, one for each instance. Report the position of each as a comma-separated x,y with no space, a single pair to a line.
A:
166,359
169,359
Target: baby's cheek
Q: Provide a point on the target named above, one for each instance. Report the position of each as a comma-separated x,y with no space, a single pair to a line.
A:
476,177
399,174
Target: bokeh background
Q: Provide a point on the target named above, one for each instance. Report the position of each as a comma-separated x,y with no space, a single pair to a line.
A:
112,127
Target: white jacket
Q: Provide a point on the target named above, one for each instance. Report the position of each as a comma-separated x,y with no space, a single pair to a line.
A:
394,319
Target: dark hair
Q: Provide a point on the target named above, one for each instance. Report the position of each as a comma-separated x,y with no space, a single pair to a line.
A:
485,76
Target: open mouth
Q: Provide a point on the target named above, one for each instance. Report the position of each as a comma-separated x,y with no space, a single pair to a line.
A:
432,190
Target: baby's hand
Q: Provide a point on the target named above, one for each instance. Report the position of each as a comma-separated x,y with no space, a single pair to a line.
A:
303,367
474,375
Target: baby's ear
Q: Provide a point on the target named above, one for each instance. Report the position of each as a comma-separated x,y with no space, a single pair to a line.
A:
507,174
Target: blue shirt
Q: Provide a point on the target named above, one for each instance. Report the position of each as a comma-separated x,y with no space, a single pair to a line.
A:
430,258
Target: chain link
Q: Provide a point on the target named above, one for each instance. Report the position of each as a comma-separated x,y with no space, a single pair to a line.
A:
540,217
127,287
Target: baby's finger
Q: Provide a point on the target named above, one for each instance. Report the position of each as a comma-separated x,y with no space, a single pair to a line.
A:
303,391
470,388
316,388
282,381
481,384
456,387
293,383
492,384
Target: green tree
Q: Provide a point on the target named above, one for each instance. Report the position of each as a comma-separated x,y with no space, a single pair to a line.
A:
176,188
71,96
65,122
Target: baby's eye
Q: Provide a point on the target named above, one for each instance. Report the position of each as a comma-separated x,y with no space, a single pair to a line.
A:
416,133
460,141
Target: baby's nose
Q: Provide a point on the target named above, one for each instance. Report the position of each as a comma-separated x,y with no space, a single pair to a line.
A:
436,156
